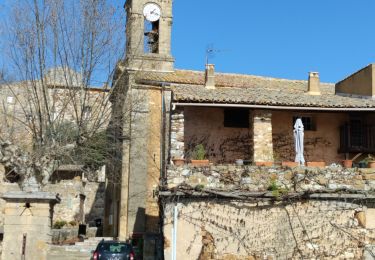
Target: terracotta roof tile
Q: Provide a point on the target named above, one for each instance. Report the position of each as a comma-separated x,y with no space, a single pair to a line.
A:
188,86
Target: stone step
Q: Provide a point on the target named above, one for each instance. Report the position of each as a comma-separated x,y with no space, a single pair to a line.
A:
88,243
80,250
99,238
60,252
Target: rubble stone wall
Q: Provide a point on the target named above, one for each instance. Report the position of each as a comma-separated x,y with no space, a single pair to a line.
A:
69,191
254,178
177,135
262,134
228,229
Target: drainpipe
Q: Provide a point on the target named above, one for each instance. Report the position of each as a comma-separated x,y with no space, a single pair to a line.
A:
174,233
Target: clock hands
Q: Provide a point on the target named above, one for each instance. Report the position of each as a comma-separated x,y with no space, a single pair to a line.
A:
153,12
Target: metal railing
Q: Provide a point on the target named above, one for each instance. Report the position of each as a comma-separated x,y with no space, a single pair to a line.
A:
357,138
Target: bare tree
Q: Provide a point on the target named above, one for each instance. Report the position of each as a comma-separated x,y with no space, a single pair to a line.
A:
62,54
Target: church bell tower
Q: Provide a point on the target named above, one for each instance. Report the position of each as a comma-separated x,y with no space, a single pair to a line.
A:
148,35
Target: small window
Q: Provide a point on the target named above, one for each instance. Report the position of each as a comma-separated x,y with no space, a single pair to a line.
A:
55,115
87,112
236,117
11,176
10,100
307,121
29,117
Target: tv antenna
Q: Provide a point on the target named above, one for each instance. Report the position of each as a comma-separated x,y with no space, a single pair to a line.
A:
211,51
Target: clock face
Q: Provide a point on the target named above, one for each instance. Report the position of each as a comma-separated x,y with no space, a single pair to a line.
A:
152,12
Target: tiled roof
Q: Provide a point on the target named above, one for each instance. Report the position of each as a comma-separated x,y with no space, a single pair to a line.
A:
188,87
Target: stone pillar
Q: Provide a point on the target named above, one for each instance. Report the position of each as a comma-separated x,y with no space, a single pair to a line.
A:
177,134
27,224
262,136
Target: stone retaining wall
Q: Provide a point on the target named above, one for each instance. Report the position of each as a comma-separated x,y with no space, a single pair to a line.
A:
224,228
254,178
65,234
229,229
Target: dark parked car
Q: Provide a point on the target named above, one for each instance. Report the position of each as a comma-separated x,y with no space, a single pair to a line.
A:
113,250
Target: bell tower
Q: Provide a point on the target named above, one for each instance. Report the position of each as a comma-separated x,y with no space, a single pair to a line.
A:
148,35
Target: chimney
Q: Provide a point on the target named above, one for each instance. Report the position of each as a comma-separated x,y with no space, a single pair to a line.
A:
210,76
314,83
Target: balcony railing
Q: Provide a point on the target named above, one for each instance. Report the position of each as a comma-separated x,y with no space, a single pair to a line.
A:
357,138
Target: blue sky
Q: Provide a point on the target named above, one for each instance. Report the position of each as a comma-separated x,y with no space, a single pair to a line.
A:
277,38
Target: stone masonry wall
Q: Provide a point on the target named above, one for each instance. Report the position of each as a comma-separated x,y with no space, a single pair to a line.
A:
177,135
338,222
69,191
228,229
254,178
262,134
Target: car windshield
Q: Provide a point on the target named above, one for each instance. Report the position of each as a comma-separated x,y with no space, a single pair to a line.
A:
114,248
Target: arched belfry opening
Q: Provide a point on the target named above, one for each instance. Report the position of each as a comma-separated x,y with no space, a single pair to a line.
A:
148,34
151,39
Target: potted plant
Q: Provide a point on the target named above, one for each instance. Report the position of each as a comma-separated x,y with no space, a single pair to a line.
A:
289,164
268,164
370,161
178,161
347,163
320,164
199,156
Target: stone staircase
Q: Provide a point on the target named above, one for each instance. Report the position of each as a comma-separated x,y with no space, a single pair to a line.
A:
78,251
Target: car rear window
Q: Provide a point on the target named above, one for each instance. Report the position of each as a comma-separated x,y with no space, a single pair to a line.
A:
114,248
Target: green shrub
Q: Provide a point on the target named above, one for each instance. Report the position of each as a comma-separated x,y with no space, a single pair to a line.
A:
273,186
199,152
73,223
199,187
59,224
277,191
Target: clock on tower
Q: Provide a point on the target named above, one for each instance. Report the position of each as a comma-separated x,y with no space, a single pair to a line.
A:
148,33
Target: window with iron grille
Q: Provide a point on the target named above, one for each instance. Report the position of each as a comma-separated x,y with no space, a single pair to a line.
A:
307,121
236,117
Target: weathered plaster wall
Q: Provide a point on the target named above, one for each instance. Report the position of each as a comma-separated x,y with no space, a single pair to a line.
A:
5,187
320,145
359,83
223,144
30,224
154,161
227,229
